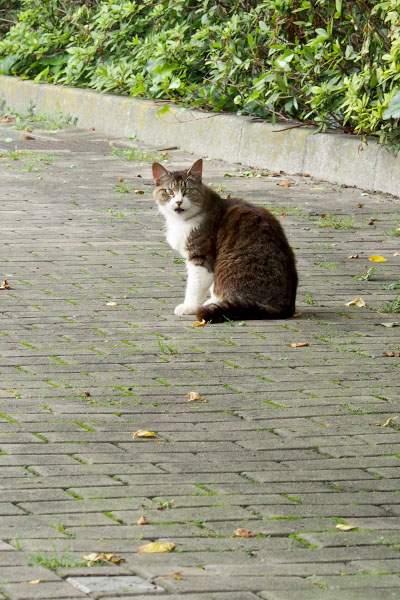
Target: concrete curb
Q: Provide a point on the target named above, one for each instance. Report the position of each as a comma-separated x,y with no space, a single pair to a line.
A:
333,157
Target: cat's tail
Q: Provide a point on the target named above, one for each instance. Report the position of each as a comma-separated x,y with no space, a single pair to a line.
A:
235,311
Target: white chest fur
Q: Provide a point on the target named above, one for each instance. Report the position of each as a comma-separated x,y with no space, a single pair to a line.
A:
178,232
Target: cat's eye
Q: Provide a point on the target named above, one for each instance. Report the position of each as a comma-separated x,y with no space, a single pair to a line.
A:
169,192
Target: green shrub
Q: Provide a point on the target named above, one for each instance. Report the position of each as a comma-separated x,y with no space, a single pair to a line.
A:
328,63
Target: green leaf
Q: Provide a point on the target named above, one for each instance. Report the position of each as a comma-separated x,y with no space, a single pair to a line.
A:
393,110
250,40
163,110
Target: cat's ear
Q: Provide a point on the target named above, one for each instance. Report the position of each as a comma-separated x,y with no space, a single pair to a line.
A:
196,169
158,172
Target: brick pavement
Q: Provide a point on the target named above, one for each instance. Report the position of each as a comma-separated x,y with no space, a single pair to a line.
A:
290,442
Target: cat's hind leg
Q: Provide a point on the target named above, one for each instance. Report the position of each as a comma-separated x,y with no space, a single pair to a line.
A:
213,298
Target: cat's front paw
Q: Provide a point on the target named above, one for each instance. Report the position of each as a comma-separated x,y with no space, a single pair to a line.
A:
184,309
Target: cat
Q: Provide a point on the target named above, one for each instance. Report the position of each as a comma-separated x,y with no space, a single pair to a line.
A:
236,250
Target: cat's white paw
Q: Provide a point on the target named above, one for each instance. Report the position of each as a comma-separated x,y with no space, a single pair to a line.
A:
184,309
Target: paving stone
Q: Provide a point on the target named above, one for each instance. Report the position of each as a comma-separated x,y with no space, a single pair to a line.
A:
101,585
289,441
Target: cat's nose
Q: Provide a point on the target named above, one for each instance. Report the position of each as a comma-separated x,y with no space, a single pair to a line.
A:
179,202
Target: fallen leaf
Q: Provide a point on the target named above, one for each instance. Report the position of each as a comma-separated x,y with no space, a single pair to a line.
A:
87,394
120,179
155,547
6,120
284,214
4,285
93,129
141,521
342,527
138,191
359,205
177,576
195,397
201,323
285,183
356,302
297,315
27,137
396,254
33,582
299,345
372,222
143,433
390,353
112,303
245,533
109,143
377,258
95,557
353,256
390,421
392,324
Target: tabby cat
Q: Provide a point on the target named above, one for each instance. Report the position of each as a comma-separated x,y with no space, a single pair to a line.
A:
236,250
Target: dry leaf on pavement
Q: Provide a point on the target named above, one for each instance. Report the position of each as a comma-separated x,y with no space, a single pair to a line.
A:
201,323
356,302
95,557
376,258
5,285
388,422
177,576
141,521
245,533
391,353
299,345
143,433
285,183
342,527
353,256
112,303
33,582
195,397
156,547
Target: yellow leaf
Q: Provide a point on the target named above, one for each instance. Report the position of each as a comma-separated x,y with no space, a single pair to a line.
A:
245,533
342,527
377,258
201,323
142,433
195,397
299,345
33,582
356,302
94,557
154,547
389,422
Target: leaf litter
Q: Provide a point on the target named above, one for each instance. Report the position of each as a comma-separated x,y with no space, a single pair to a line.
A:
95,557
195,397
156,547
143,433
